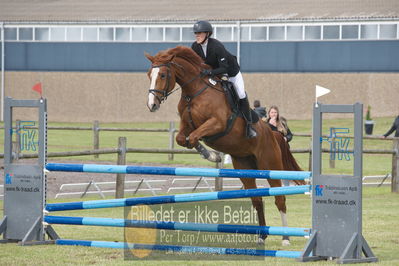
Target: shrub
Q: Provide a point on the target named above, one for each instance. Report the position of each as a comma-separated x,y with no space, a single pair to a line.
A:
368,116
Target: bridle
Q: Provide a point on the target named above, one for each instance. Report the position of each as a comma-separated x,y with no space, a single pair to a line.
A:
165,92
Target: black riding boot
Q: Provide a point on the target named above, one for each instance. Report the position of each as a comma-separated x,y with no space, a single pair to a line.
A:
246,111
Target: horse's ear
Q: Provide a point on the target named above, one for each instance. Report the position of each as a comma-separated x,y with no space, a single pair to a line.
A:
150,57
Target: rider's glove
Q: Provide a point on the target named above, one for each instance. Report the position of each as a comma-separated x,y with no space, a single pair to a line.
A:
206,72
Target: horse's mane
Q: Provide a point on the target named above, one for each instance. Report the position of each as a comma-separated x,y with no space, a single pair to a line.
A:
183,52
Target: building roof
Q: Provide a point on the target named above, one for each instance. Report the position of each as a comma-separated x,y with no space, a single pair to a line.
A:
97,11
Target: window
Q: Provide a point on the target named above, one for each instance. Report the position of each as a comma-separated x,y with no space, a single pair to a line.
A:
25,34
10,34
89,34
139,34
42,34
235,32
245,33
258,33
57,34
312,32
122,34
155,34
187,34
223,33
172,34
350,32
74,34
369,31
330,32
106,34
388,31
276,33
294,32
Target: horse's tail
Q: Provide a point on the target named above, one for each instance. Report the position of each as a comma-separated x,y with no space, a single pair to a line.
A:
289,162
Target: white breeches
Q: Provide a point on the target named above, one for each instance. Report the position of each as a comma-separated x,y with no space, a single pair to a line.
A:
238,83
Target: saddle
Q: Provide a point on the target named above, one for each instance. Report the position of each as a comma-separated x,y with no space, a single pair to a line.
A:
233,101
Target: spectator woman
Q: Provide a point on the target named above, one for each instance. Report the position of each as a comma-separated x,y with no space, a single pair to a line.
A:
278,123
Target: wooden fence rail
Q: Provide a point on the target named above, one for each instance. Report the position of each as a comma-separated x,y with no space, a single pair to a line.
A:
122,150
394,152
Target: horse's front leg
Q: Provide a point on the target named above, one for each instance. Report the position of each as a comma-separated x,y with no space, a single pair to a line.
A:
182,138
182,135
209,128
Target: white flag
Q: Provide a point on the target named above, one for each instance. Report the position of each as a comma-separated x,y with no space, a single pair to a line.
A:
320,91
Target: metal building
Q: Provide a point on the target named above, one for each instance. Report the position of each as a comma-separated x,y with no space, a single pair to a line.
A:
89,55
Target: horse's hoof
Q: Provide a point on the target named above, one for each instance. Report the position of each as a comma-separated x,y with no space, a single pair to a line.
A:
261,241
214,157
286,243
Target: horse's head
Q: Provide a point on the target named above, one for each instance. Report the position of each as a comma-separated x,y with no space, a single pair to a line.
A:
162,79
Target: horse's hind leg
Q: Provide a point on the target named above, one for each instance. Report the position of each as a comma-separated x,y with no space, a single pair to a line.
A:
274,161
250,183
257,203
282,207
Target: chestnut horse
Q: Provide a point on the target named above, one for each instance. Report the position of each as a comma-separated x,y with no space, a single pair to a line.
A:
204,111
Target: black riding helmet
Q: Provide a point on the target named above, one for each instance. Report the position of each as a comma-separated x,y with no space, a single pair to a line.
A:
203,26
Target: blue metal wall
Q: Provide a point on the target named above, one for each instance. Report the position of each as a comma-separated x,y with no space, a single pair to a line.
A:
67,56
334,56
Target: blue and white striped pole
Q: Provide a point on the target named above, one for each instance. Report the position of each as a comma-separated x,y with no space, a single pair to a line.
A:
181,249
191,197
221,228
178,171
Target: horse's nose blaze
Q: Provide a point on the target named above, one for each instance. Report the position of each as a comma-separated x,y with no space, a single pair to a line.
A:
152,103
151,97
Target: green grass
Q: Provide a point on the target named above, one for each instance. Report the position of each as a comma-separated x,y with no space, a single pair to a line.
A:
380,220
380,207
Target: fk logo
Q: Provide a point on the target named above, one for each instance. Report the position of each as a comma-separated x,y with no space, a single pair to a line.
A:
319,190
8,179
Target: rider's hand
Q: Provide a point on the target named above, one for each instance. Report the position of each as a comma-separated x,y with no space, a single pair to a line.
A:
206,72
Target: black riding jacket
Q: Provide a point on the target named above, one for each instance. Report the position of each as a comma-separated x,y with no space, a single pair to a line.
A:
221,61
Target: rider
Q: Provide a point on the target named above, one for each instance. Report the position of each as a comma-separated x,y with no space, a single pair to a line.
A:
222,62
